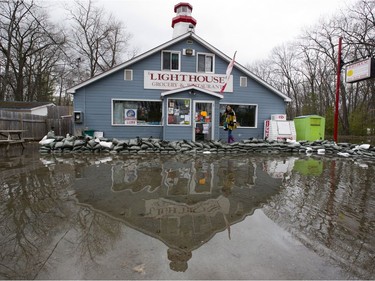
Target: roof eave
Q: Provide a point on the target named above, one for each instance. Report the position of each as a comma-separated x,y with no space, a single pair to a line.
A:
189,88
127,63
42,106
242,68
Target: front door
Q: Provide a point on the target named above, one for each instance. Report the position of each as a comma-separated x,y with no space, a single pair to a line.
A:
202,124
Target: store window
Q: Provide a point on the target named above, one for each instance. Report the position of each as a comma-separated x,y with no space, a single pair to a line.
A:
130,112
205,63
170,60
246,114
179,112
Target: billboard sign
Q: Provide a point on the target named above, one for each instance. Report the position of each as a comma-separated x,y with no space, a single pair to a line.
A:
360,70
167,80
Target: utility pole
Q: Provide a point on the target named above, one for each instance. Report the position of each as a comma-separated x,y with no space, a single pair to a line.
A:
336,117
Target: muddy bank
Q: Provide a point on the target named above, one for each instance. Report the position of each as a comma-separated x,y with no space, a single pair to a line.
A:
152,145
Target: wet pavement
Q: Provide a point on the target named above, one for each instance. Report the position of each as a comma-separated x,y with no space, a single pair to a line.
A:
106,216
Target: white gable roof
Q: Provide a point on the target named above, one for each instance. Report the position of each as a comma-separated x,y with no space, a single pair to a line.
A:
169,43
192,88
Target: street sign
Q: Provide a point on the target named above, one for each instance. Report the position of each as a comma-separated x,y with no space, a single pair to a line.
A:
360,70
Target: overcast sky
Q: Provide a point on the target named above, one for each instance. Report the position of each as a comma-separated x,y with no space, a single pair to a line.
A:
250,27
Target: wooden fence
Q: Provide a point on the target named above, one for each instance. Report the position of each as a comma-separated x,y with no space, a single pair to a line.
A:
58,117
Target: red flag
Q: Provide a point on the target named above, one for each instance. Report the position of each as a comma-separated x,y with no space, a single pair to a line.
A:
228,72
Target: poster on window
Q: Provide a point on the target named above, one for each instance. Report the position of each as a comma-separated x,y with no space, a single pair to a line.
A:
130,117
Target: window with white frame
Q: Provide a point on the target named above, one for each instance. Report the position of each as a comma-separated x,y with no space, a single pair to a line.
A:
179,111
170,60
132,112
205,63
246,114
128,74
243,81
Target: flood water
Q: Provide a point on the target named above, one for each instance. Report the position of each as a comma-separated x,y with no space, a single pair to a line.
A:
105,216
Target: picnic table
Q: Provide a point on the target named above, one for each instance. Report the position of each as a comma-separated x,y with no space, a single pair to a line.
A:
12,137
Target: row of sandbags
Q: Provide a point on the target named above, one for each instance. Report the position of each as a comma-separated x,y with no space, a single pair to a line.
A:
72,144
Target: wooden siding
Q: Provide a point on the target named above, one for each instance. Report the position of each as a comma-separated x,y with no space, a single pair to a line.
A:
35,126
95,99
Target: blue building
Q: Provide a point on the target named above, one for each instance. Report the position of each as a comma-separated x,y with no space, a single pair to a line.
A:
173,92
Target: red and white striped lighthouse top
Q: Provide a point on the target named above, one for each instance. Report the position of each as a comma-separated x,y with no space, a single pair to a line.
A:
183,21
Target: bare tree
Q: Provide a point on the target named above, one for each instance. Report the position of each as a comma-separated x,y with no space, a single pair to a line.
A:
98,40
262,68
285,59
306,69
27,47
358,29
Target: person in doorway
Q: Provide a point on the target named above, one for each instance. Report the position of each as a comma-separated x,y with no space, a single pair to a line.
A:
231,122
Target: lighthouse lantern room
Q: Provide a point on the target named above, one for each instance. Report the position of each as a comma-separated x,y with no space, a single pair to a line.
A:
183,21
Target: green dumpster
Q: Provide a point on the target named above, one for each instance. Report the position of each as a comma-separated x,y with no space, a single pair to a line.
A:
89,133
310,127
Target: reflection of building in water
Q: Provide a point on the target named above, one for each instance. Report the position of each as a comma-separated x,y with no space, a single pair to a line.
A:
162,208
179,259
178,178
279,168
181,200
135,174
182,177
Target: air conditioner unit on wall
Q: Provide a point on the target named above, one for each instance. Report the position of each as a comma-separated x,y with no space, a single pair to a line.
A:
188,52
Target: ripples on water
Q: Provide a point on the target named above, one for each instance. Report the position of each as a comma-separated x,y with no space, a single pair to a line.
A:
331,211
327,203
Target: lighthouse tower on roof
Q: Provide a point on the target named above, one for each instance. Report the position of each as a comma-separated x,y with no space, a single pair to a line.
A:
183,21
